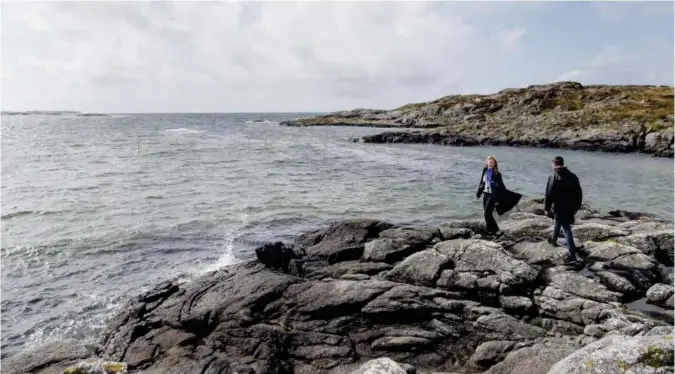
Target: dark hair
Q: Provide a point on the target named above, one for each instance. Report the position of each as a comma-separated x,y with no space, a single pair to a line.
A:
558,161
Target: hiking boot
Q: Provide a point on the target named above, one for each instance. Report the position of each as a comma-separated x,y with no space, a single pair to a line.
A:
569,259
552,242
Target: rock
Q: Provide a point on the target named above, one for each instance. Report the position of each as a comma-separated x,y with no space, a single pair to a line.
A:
275,255
596,232
449,233
660,293
482,256
382,365
389,250
516,304
341,241
463,305
53,356
97,367
556,115
422,268
538,253
537,359
619,353
656,243
491,352
531,227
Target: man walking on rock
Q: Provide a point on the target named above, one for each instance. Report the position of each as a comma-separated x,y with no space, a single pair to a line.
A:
563,200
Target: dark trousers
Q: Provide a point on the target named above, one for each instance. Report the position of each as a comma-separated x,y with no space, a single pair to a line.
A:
558,223
488,208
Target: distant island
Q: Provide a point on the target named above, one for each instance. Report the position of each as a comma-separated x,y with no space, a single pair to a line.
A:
568,115
53,113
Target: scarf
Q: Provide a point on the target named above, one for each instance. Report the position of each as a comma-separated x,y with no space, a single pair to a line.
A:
492,183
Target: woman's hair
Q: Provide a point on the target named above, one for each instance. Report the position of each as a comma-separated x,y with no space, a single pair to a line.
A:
493,158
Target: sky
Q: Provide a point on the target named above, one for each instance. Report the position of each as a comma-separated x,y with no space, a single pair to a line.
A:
135,57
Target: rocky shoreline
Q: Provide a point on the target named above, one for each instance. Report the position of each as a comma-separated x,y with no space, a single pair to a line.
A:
562,115
428,299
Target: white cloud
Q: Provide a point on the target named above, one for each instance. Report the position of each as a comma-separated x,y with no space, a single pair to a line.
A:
263,49
509,39
286,56
608,56
573,75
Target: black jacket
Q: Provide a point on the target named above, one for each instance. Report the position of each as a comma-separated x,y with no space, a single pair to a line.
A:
505,200
563,193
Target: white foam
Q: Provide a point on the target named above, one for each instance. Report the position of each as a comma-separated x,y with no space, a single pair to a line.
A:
182,130
228,258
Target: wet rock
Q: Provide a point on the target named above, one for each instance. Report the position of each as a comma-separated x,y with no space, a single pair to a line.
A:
53,356
275,255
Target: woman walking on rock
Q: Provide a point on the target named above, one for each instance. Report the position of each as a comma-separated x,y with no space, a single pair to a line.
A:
495,195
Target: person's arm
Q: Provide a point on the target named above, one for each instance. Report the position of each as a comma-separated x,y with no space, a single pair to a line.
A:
481,185
579,194
548,199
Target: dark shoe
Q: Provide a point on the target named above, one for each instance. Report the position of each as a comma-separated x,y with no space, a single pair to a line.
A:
499,234
570,259
552,242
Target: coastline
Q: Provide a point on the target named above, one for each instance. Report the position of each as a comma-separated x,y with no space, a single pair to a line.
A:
434,298
565,115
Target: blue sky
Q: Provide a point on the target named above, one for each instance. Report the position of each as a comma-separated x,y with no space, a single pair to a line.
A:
317,56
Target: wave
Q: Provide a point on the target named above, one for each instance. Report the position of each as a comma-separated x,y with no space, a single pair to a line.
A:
29,212
259,121
182,130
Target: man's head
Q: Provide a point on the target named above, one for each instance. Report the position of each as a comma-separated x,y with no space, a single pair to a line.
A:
558,162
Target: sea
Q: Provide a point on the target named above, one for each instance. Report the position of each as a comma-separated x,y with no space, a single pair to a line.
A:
95,210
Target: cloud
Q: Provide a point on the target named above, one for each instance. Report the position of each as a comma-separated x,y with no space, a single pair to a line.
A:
573,75
290,56
509,39
608,56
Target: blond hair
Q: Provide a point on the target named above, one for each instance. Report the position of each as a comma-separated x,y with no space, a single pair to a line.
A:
493,158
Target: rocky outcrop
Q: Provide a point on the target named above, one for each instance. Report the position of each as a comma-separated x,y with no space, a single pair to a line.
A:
428,299
593,118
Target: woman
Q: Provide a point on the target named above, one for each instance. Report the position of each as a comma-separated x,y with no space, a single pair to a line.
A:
495,195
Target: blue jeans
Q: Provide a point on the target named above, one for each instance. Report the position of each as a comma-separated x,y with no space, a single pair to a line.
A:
567,229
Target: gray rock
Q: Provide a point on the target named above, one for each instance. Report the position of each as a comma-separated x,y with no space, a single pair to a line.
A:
531,227
537,359
539,253
411,235
515,304
656,243
53,356
659,293
619,353
616,283
388,250
341,241
491,352
450,233
422,268
596,232
381,365
454,280
482,256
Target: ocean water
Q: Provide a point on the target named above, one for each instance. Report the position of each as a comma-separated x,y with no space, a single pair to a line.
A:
96,209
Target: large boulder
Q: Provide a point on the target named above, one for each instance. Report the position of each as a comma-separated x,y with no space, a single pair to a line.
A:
618,354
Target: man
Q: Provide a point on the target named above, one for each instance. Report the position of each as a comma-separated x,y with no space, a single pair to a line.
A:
563,200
